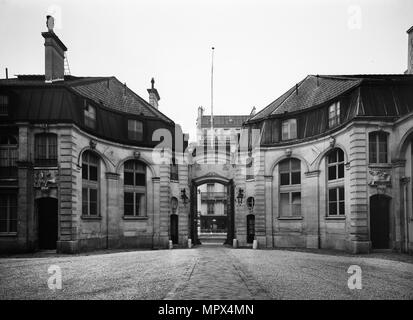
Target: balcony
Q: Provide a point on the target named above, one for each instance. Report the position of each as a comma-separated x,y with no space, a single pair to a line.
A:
213,196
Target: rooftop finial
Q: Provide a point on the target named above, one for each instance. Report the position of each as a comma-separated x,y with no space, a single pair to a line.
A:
50,23
153,83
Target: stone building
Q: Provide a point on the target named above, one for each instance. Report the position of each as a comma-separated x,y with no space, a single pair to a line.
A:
78,169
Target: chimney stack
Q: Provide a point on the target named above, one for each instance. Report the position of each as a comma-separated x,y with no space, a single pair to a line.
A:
410,51
54,53
153,95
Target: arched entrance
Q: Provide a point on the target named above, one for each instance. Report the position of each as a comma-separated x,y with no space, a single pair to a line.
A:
48,223
380,221
174,228
225,222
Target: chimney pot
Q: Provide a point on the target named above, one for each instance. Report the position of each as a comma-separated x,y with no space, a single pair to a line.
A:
54,53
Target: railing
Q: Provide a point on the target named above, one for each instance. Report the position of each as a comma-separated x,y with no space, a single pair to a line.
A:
210,196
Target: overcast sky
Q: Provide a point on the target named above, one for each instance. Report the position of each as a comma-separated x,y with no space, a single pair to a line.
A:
262,48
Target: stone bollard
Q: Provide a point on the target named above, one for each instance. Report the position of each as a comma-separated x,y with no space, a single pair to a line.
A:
235,243
255,244
189,243
171,245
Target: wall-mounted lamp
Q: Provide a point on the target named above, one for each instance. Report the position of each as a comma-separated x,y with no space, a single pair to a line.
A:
240,195
184,197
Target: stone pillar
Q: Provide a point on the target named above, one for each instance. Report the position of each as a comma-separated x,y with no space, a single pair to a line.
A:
113,216
358,240
156,212
310,209
269,217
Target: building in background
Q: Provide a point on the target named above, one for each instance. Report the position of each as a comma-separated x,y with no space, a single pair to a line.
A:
77,171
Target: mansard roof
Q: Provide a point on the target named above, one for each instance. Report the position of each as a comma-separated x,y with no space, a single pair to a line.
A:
388,94
108,92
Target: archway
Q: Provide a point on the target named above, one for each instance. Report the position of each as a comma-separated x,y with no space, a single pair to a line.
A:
47,213
380,221
220,222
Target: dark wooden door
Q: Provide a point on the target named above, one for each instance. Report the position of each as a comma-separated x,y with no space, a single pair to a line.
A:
47,215
230,213
379,222
250,228
174,228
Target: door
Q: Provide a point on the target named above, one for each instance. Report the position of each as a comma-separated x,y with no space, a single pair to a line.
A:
48,228
379,222
250,228
174,228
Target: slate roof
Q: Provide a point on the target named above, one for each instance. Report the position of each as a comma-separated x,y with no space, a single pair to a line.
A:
317,90
109,92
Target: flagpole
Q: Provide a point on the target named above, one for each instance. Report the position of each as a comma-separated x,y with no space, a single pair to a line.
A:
212,97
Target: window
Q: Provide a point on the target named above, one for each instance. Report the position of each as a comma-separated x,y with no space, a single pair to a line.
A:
174,170
4,105
8,213
336,201
135,130
378,147
45,149
90,184
290,172
290,188
335,164
8,157
289,129
228,149
335,183
134,189
210,207
250,168
334,114
90,116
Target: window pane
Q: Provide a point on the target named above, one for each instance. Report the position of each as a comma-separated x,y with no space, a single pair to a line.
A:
296,203
293,129
373,147
93,194
140,179
341,208
128,178
285,166
296,178
332,208
284,204
332,157
340,154
341,193
85,169
284,179
93,173
85,201
332,173
295,165
128,204
341,170
332,195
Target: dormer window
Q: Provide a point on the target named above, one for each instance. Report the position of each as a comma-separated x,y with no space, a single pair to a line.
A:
4,105
289,129
90,116
334,114
135,130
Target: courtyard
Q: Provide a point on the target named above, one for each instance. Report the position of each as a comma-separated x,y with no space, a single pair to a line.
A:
207,272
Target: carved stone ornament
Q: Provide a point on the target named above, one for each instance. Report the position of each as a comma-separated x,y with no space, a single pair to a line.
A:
379,178
92,144
136,154
44,179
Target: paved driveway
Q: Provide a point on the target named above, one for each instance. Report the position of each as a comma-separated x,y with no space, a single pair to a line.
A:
208,272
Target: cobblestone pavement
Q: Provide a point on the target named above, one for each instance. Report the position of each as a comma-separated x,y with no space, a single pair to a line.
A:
207,272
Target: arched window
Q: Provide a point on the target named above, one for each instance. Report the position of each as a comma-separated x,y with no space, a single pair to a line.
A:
8,157
90,184
335,182
174,175
290,188
378,147
134,189
45,149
